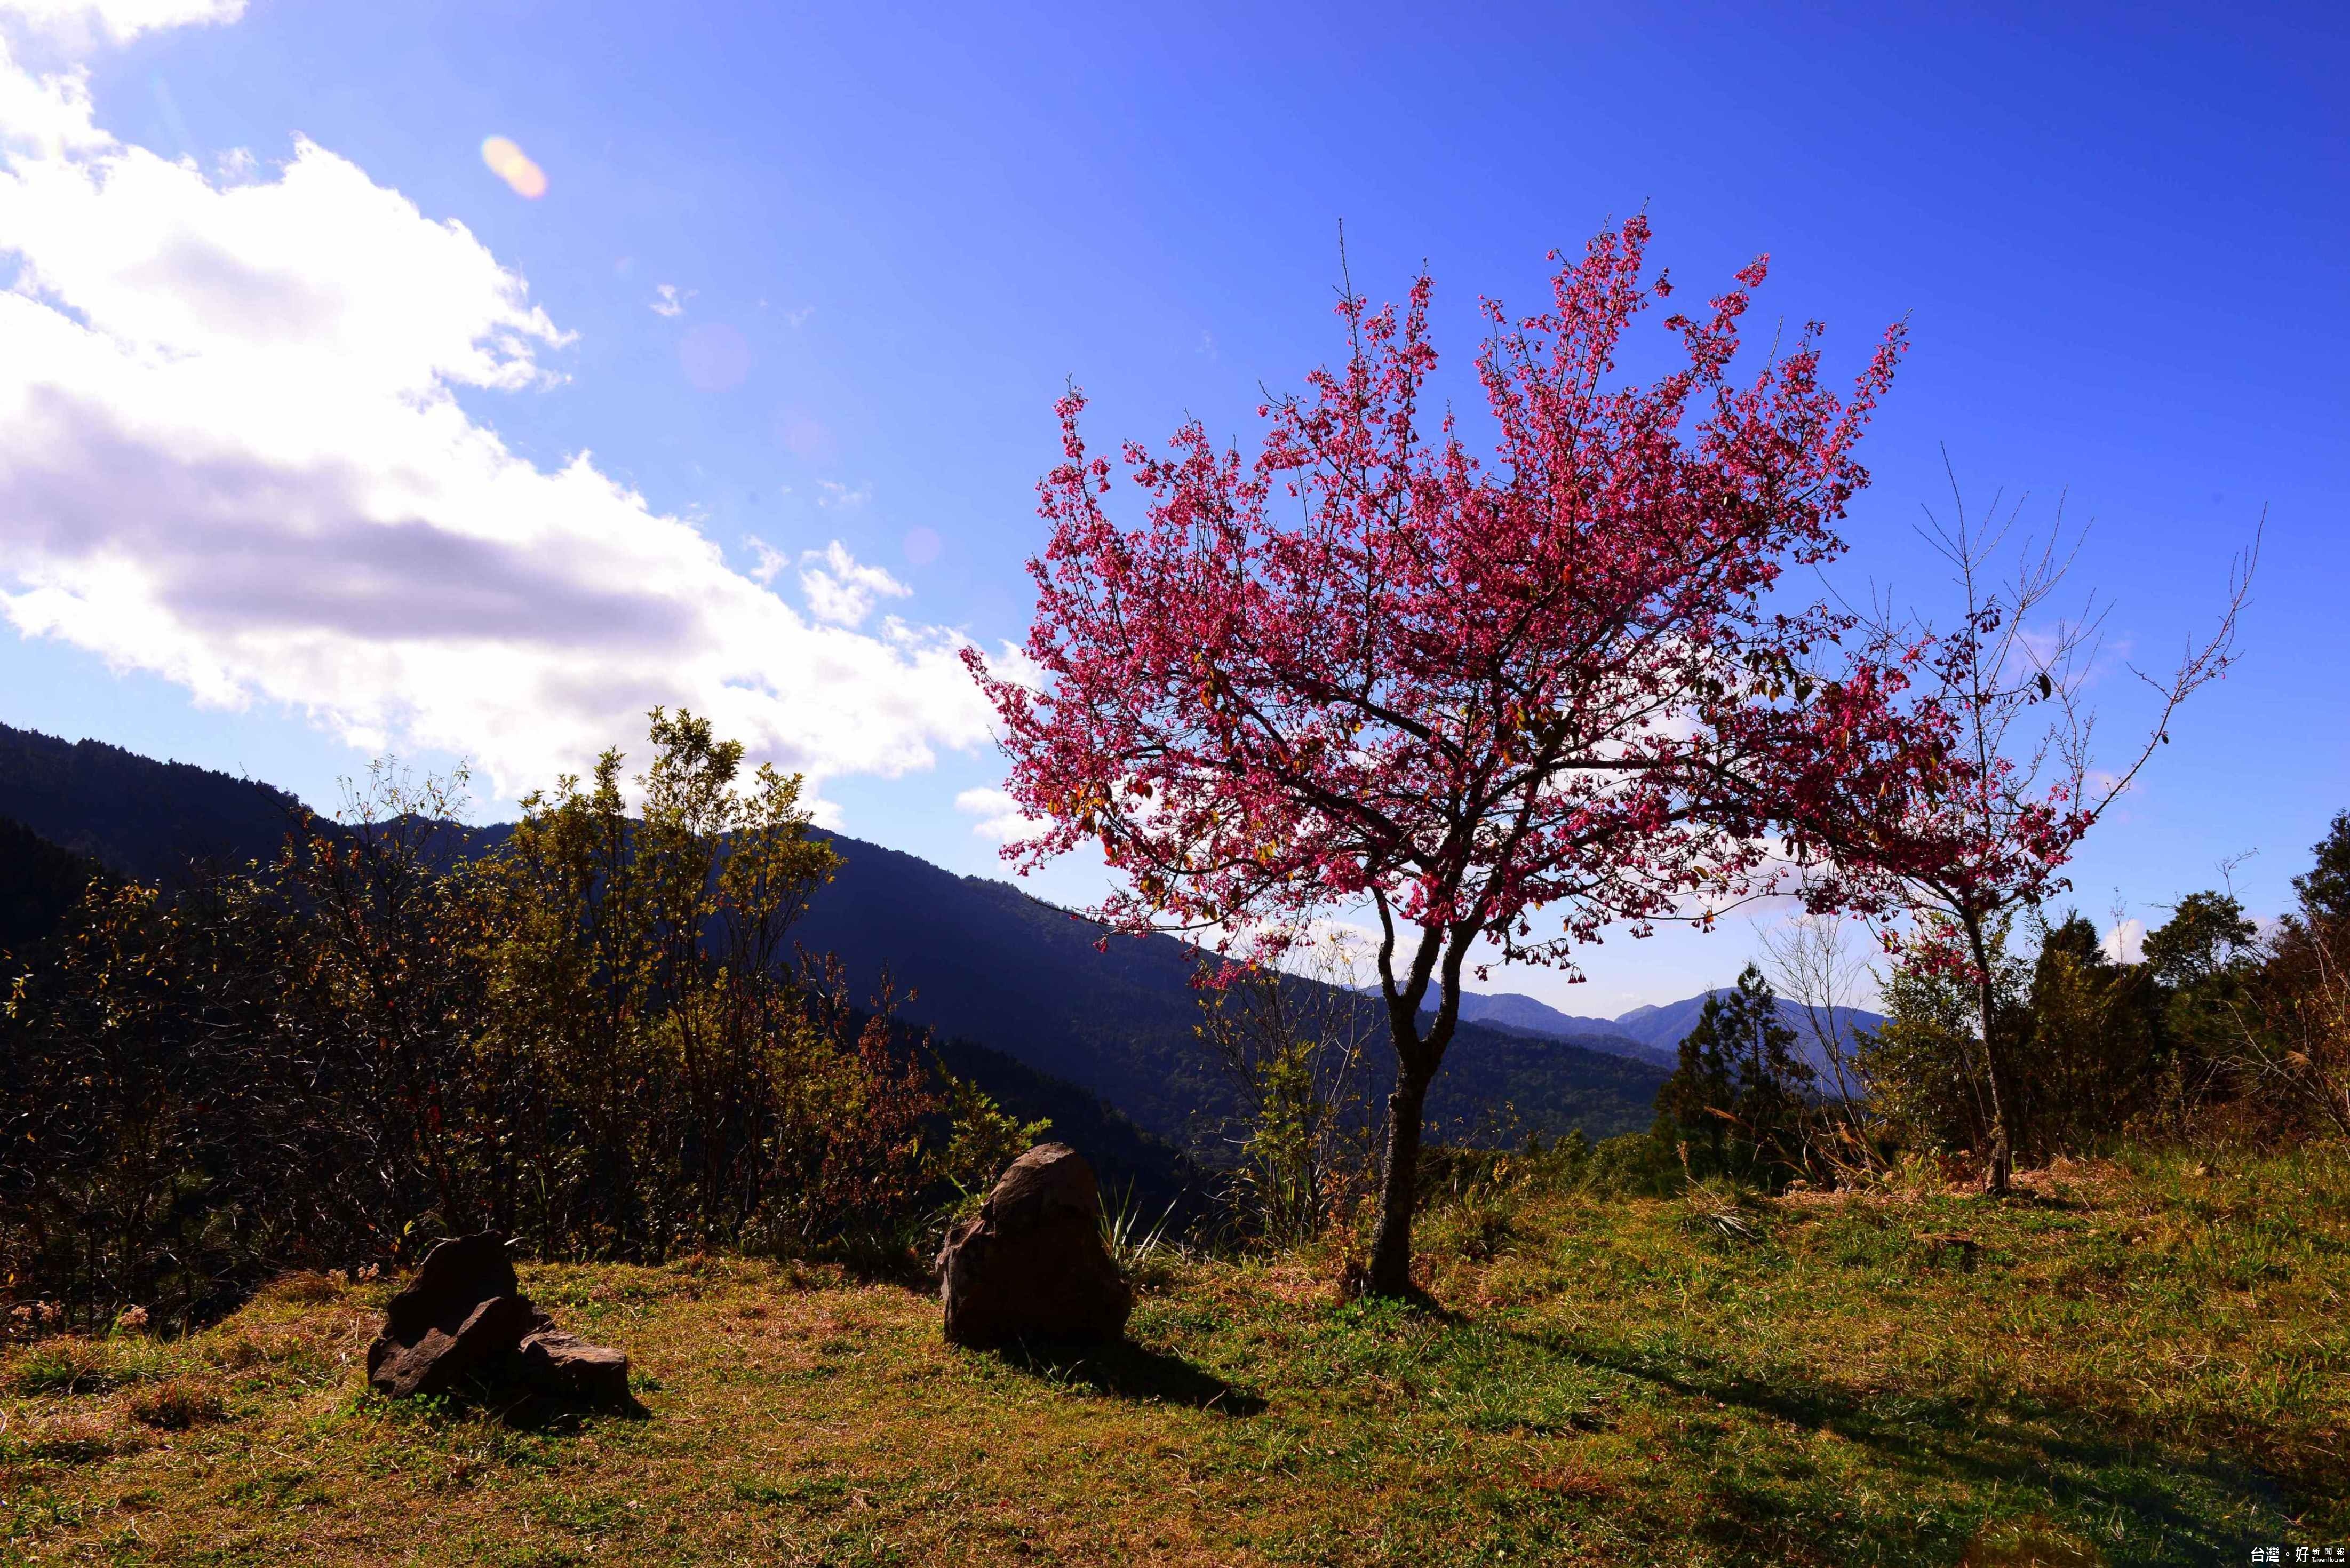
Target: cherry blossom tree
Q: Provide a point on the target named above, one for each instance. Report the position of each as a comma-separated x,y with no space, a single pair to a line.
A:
1367,668
1964,846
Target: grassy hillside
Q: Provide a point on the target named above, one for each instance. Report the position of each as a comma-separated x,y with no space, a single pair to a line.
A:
2140,1364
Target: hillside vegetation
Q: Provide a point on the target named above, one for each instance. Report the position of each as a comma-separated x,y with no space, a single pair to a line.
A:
2133,1362
970,959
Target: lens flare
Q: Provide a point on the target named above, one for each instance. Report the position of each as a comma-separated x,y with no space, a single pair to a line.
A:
514,166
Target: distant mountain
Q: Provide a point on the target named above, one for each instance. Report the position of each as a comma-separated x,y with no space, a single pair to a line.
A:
1651,1034
975,959
1665,1026
1525,1015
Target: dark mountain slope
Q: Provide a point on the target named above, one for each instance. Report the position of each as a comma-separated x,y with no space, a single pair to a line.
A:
133,814
987,962
1128,1162
984,962
38,883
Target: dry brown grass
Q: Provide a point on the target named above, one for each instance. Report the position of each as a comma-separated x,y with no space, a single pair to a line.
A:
2146,1366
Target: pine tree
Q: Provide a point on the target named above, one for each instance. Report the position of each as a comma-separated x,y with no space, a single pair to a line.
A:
1740,1095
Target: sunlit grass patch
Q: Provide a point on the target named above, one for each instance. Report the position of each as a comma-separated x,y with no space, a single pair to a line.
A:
1599,1381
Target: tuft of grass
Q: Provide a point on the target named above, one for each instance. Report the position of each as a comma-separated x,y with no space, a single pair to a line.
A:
177,1404
75,1438
1139,1246
306,1287
1715,1210
68,1365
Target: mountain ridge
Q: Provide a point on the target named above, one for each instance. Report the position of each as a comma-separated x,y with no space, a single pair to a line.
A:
971,958
1652,1032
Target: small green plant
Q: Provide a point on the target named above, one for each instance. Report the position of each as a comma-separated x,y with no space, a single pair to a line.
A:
1133,1245
1478,1225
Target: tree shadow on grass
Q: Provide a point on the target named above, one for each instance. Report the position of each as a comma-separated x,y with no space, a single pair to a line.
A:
2089,1461
1129,1371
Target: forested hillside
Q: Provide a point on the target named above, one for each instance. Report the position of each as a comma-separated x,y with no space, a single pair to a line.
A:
974,959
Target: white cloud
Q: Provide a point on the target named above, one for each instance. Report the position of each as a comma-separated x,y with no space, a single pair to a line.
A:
768,561
842,497
2126,943
667,301
998,815
80,23
231,454
840,591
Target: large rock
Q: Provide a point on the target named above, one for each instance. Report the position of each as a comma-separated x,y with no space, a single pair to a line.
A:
463,1311
464,1315
1032,1264
569,1367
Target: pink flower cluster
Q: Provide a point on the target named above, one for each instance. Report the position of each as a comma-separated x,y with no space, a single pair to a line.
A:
1368,665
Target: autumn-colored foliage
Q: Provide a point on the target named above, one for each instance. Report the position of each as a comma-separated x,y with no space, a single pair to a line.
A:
592,1039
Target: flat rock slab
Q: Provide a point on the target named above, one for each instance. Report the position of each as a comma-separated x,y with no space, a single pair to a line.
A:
1032,1264
569,1367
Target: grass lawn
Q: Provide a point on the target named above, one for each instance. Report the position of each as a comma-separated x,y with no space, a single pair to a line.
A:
2139,1364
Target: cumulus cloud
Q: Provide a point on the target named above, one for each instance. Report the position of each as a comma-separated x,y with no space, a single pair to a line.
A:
2126,943
79,23
841,496
667,301
232,454
839,590
999,814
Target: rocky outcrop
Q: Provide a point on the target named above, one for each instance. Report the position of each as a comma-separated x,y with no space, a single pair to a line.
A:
463,1316
1032,1264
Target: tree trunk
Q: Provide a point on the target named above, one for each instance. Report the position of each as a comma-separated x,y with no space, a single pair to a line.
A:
1999,1168
1399,1186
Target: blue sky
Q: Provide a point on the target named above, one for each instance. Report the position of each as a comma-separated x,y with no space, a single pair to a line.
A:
889,237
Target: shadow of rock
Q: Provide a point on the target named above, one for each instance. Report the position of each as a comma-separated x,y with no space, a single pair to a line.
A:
1129,1371
529,1410
516,1405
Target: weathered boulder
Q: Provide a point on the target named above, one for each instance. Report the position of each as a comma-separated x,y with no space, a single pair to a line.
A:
464,1311
1032,1264
564,1364
464,1315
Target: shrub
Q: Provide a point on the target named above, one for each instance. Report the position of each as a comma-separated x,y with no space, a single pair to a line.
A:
595,1039
1635,1164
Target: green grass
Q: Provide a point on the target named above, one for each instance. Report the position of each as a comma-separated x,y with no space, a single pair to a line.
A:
2132,1363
